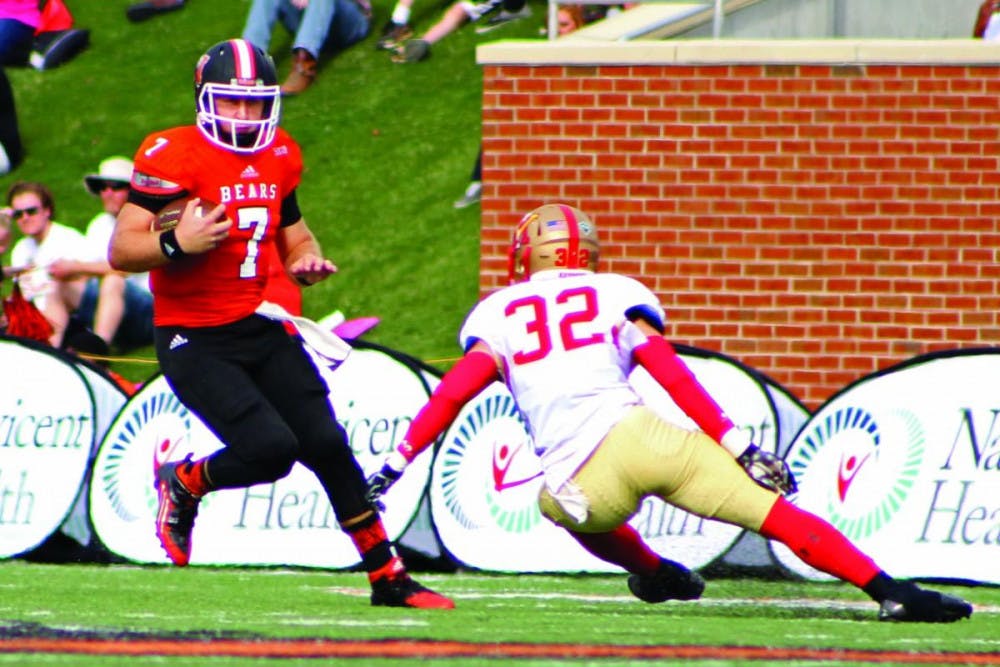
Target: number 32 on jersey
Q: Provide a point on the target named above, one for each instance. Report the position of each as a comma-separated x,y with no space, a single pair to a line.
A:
563,323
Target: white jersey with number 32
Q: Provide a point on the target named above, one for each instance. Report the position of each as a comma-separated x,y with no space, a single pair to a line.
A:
566,346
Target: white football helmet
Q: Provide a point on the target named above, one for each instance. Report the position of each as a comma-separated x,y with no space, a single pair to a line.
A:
553,236
237,69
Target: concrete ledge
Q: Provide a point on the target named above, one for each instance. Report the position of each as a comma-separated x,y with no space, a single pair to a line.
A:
581,51
637,21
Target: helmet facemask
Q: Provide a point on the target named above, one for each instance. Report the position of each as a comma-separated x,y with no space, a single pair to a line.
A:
250,135
553,236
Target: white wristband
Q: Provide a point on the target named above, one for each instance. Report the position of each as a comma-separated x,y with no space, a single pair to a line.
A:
735,441
396,460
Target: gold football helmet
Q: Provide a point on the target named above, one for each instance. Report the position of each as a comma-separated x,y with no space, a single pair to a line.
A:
553,236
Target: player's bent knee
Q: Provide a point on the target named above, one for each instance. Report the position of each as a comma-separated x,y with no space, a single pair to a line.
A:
578,514
273,469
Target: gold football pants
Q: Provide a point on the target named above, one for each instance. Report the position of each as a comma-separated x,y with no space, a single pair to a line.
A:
645,455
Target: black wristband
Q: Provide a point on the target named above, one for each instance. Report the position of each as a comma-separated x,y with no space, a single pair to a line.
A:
169,246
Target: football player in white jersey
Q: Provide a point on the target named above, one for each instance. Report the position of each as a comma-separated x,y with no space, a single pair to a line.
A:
564,338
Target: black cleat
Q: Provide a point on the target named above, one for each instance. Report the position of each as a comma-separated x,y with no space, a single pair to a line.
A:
402,591
672,581
912,604
175,516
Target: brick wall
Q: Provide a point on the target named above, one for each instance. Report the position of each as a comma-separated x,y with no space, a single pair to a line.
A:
814,221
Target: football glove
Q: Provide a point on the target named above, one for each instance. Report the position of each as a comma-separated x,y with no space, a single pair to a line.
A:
768,470
380,482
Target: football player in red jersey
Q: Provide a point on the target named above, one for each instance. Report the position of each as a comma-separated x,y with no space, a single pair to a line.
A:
564,339
250,382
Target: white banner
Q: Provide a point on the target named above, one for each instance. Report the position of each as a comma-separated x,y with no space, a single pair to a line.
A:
486,480
288,522
904,463
47,431
109,398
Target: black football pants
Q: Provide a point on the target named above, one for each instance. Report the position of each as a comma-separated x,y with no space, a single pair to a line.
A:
256,388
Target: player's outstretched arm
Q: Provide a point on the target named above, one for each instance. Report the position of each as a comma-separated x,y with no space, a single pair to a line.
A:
658,357
473,373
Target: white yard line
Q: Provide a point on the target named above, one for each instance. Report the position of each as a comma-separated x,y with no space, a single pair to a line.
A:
785,603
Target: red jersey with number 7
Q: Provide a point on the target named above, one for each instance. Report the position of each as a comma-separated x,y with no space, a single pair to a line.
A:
225,284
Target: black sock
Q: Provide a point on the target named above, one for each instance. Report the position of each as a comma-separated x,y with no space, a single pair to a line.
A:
880,587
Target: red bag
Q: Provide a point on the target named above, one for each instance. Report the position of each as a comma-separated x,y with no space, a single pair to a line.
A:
55,16
24,319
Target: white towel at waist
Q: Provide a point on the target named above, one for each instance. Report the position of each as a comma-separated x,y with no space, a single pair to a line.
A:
327,345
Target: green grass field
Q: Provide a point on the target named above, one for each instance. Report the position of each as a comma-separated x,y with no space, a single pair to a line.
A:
198,612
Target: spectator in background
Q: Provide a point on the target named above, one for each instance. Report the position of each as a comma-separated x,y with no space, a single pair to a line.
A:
19,19
474,190
988,21
457,15
44,243
398,28
118,307
6,235
318,26
11,151
570,18
56,40
140,11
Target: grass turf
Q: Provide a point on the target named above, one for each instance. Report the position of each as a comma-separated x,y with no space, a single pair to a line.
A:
201,605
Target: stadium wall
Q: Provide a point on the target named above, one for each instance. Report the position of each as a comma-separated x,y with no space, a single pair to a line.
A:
818,210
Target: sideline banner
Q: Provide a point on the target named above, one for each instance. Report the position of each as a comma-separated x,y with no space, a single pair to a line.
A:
289,522
109,398
486,479
904,462
47,431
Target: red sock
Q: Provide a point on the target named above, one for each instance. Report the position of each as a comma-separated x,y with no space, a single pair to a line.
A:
194,478
818,543
622,546
372,542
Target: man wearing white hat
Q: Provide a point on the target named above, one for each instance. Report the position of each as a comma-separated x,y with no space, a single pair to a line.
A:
118,307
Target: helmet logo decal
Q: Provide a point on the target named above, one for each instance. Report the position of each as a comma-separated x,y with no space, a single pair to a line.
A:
520,241
199,68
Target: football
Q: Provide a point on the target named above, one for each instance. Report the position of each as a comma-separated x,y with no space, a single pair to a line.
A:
170,215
